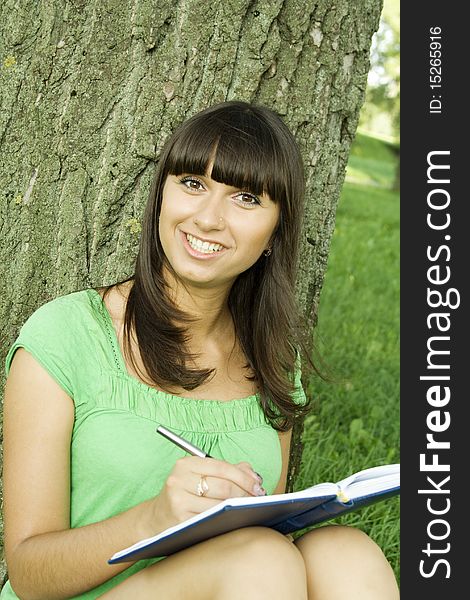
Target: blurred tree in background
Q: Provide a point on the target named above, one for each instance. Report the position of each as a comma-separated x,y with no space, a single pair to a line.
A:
381,112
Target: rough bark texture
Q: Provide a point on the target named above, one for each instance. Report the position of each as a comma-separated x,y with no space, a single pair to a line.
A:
91,90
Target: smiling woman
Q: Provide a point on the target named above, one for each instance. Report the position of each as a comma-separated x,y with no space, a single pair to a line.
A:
240,230
231,175
204,339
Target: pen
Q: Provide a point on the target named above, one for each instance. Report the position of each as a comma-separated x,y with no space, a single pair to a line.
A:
182,443
185,445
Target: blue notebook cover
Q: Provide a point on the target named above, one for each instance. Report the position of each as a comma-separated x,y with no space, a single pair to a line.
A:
283,512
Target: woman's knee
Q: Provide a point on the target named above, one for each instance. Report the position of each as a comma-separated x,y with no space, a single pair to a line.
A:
347,556
263,544
263,557
253,563
338,539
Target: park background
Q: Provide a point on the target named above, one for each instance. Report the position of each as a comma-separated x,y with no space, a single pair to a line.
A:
354,423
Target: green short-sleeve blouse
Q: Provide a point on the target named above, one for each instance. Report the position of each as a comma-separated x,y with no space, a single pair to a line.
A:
117,459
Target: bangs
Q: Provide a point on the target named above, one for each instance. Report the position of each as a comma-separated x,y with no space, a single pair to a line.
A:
242,147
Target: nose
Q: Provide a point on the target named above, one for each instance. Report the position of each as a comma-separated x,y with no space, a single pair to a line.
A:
210,214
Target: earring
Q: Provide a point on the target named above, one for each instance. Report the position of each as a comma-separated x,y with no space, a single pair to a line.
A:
267,252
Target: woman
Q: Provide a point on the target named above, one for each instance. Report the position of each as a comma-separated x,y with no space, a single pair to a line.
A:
202,339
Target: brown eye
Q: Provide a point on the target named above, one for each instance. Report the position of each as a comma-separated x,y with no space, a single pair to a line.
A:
191,183
246,199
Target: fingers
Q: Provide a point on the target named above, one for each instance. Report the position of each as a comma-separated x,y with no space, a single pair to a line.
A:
220,489
224,479
184,494
247,467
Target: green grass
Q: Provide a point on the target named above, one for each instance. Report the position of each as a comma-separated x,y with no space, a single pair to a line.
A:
372,162
355,420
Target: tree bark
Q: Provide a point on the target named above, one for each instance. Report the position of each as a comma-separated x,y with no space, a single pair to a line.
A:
91,90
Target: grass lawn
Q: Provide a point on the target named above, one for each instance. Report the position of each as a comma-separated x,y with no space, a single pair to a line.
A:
355,420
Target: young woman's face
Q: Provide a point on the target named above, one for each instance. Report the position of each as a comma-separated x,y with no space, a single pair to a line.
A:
211,232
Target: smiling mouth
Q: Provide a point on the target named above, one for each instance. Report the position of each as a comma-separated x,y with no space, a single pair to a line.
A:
203,247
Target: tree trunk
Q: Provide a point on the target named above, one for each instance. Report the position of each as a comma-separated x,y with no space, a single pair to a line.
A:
91,90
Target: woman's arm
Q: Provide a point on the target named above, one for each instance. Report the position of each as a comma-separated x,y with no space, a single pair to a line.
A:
285,439
46,559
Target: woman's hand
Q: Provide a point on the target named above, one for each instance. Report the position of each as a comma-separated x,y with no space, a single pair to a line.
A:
179,499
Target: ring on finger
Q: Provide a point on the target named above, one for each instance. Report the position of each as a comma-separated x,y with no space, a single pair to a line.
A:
202,487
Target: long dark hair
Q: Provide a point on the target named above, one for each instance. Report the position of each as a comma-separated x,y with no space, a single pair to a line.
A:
251,149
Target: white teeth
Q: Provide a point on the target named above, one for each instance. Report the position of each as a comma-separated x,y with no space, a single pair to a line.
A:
204,247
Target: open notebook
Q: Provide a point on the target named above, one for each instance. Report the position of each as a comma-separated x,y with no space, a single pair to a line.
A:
283,512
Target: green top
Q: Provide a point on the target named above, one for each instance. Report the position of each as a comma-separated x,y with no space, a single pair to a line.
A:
117,459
